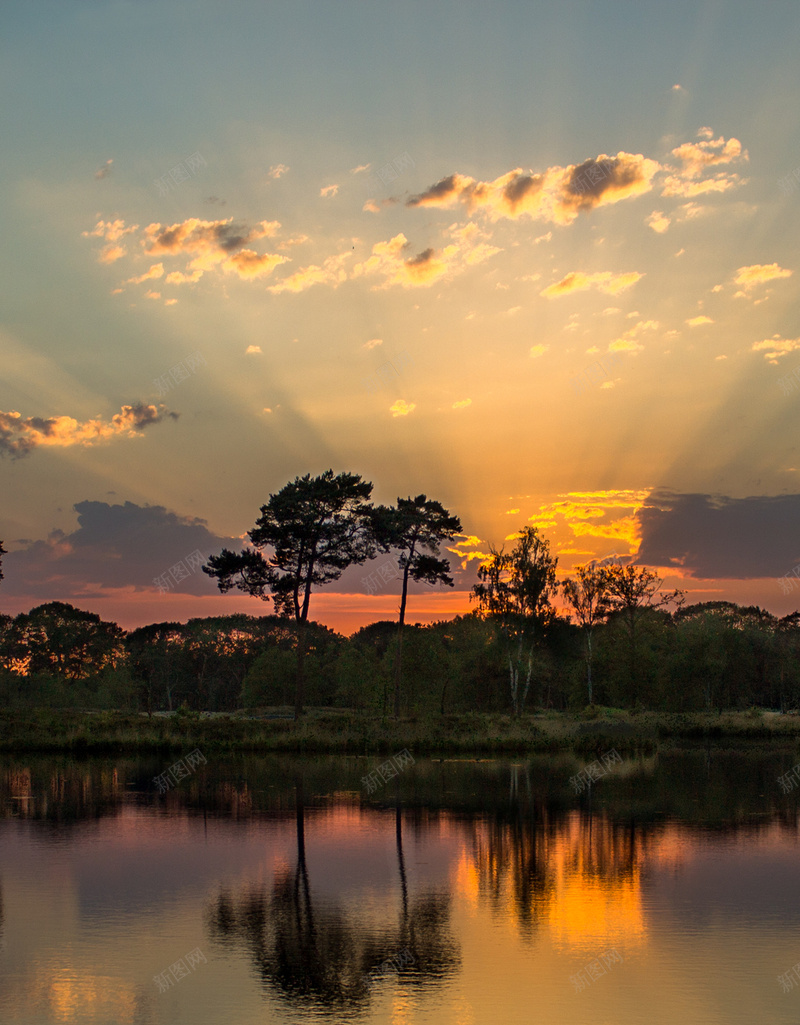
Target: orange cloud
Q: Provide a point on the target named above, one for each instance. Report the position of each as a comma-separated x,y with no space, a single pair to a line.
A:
697,156
556,195
605,281
19,436
658,222
332,273
402,408
758,273
213,244
156,271
427,267
776,348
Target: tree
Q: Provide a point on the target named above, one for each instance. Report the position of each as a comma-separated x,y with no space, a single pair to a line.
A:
515,590
633,592
2,553
315,527
414,528
588,599
67,642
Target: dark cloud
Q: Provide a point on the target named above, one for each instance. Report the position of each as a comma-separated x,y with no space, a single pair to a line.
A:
520,186
421,258
116,546
442,190
715,537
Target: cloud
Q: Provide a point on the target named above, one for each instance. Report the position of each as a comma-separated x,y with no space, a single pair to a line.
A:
699,321
705,133
112,232
758,273
360,169
372,343
462,403
776,348
156,271
697,156
538,350
658,222
213,244
402,408
296,241
252,350
387,259
328,190
629,341
111,253
20,435
604,515
332,272
277,170
105,170
604,281
713,536
675,186
115,546
556,195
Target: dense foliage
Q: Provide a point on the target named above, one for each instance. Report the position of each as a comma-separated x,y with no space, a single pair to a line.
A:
715,655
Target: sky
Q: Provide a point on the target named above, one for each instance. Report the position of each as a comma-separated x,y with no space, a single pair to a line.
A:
536,261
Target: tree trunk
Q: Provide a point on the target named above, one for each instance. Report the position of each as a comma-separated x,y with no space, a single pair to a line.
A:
589,665
299,694
398,662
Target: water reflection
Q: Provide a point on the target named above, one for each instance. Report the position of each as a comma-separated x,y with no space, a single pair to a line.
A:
297,885
321,955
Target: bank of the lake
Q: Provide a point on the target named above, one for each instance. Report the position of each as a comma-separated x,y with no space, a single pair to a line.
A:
327,731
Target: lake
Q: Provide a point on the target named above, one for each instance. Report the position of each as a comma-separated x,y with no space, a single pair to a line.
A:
281,889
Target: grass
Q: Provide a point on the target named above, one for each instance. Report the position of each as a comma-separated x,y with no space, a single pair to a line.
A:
326,731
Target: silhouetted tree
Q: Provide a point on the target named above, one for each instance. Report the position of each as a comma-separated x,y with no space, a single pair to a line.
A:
414,528
515,590
587,598
315,527
633,592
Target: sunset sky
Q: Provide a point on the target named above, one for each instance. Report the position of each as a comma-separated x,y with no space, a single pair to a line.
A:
535,260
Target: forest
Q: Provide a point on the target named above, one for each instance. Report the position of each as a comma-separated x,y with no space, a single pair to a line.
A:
616,638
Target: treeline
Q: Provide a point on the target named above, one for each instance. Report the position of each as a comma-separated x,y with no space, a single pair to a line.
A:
715,655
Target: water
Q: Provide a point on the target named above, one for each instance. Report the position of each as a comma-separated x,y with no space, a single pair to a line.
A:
280,890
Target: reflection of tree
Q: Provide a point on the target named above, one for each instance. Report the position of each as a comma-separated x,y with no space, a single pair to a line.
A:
64,792
530,854
316,954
